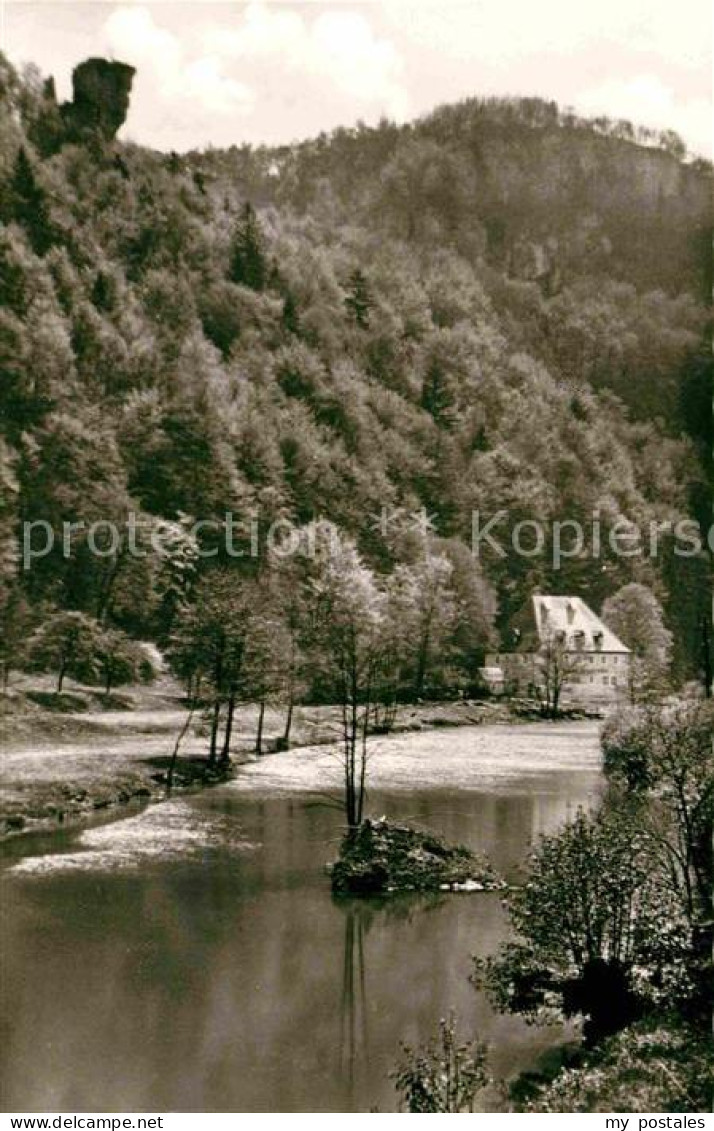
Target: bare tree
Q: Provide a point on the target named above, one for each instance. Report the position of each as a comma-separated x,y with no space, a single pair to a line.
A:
350,639
555,668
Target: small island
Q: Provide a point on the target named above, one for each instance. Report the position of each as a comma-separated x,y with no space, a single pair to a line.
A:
381,857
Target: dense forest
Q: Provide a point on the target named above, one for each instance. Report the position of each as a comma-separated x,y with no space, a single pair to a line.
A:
500,307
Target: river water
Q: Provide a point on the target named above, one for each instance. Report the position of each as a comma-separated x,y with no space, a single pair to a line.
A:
190,957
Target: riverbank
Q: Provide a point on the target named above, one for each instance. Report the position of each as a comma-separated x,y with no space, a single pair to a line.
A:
65,757
657,1064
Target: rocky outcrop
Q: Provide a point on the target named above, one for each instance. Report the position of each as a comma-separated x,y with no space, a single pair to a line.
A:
100,103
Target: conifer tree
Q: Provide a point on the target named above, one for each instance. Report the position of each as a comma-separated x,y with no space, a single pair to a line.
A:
248,265
290,316
29,205
359,299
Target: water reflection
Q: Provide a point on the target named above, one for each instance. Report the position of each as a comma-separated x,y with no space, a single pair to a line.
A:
229,979
354,1027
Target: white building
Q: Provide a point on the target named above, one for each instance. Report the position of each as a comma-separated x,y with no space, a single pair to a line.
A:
594,663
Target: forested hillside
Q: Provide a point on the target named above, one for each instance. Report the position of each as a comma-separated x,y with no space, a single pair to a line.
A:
498,308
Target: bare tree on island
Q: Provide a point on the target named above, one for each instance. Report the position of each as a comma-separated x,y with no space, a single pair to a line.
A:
351,640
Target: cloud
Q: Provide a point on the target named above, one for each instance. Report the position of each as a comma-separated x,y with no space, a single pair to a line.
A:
132,33
646,100
263,73
336,49
234,71
650,62
165,73
499,31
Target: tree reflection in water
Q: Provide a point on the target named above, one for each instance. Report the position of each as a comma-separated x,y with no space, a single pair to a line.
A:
360,914
354,1028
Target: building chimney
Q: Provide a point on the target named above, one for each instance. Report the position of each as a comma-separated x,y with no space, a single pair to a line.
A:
570,610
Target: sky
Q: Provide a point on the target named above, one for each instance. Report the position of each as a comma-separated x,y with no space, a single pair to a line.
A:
257,71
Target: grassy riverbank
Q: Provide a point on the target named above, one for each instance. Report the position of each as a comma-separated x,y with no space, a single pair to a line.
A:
64,757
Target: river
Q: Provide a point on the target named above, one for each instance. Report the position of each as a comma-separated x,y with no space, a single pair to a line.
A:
190,957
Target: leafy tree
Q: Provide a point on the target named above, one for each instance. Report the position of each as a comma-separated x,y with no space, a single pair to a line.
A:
663,754
207,649
594,935
425,605
71,472
706,656
175,568
9,490
425,191
15,624
176,455
66,643
637,617
220,314
121,660
14,612
229,641
475,606
169,302
268,665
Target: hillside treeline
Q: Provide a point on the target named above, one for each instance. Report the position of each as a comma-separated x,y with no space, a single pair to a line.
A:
496,308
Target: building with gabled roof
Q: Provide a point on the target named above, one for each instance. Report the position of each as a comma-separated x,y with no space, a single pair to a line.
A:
595,664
